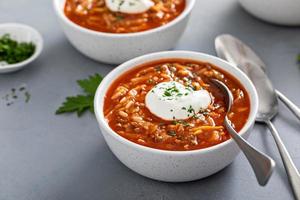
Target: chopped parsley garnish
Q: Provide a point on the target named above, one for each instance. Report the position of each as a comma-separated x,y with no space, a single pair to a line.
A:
13,52
191,109
190,88
119,17
27,96
150,81
16,93
120,4
184,123
172,92
171,132
191,112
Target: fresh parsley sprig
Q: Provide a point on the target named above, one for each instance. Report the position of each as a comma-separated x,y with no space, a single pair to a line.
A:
81,103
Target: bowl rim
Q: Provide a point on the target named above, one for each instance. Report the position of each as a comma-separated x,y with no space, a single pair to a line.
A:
121,69
38,45
187,10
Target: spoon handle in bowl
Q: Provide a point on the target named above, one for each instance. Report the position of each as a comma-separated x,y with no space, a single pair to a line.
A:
292,172
261,164
293,108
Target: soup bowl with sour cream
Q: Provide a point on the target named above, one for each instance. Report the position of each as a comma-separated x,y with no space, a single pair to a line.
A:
185,138
115,46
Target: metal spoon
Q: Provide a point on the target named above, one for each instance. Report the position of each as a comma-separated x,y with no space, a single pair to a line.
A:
261,164
268,107
236,52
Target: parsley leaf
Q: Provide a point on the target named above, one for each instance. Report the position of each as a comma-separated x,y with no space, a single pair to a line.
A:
81,103
90,85
77,104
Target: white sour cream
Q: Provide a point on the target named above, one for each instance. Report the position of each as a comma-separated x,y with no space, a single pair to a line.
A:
129,6
173,101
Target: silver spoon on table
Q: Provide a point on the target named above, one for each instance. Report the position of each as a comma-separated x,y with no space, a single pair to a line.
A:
261,164
236,52
268,104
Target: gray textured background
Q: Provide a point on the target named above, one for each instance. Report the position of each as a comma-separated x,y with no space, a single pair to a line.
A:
43,156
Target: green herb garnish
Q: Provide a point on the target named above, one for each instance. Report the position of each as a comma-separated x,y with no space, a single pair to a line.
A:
119,17
191,109
27,96
81,103
172,91
184,123
12,51
171,133
16,93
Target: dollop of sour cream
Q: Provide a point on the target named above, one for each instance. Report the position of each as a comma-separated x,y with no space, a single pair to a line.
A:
129,6
174,101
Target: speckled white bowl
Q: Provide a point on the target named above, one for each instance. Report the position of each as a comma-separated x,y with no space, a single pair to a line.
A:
282,12
173,166
117,48
21,33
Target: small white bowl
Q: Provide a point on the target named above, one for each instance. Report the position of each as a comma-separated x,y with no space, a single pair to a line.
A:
117,48
283,12
173,166
21,33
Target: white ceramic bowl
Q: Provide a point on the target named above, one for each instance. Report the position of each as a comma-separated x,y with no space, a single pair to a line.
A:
117,48
283,12
173,166
21,33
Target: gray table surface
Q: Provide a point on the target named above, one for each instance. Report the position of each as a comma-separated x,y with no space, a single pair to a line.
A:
44,156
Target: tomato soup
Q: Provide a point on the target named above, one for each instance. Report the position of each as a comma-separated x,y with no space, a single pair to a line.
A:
95,15
128,115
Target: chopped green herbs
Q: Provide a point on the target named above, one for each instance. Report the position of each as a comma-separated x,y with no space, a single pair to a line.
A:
184,123
81,103
191,110
150,81
13,52
172,92
119,17
171,132
27,96
15,94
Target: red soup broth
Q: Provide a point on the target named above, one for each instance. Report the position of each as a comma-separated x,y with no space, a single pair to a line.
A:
127,115
96,16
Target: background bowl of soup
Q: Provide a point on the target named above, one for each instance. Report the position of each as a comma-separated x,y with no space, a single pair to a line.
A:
115,48
171,164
